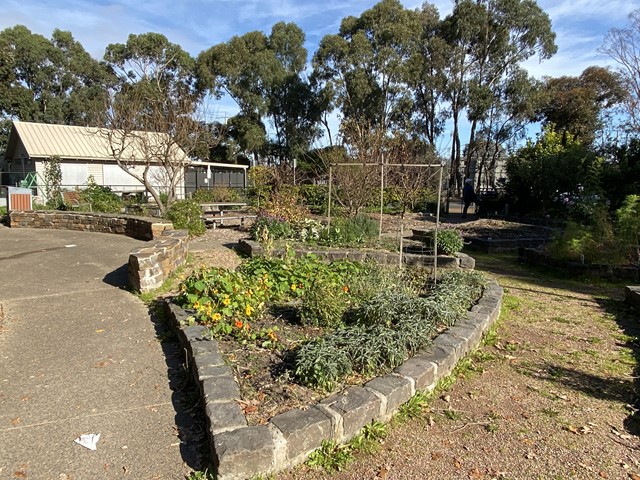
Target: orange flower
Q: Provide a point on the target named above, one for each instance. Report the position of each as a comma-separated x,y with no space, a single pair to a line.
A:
345,289
239,323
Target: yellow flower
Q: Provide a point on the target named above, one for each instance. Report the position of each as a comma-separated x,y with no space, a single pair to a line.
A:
248,310
293,287
216,316
196,305
226,301
272,336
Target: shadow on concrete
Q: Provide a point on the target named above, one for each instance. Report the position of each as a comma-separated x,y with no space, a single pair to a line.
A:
191,426
118,277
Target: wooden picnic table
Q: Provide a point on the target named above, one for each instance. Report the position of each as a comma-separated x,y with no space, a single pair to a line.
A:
214,213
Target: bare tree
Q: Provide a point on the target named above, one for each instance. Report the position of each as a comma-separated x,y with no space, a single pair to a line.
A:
357,173
154,142
623,45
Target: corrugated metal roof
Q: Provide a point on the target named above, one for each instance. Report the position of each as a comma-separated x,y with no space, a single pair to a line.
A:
82,143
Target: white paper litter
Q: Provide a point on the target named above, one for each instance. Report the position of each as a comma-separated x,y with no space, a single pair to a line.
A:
88,441
70,245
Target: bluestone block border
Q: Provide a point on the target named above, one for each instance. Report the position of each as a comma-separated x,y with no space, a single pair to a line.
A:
241,451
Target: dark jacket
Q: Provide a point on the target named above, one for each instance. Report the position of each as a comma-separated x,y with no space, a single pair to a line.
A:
468,195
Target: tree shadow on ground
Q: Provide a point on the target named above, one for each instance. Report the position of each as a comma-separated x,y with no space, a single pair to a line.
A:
604,295
628,319
190,421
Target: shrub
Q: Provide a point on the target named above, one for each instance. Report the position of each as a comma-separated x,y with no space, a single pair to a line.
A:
186,214
215,194
450,241
351,230
101,198
277,227
315,197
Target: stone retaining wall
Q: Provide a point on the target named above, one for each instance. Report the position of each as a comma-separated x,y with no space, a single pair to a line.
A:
241,451
488,245
461,260
149,265
533,256
140,228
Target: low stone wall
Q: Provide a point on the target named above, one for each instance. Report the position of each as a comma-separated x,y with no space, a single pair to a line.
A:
141,228
488,245
632,296
241,451
533,256
151,265
461,260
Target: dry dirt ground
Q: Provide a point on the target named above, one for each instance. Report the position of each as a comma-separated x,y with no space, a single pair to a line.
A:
552,394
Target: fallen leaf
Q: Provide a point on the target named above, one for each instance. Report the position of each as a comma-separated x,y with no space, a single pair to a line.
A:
16,421
530,455
447,398
383,473
634,476
603,475
436,455
476,474
430,421
25,398
99,331
457,463
20,474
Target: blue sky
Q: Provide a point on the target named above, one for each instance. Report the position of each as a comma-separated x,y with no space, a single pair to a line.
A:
196,25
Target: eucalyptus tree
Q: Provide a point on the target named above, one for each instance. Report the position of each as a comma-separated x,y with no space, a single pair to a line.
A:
364,64
264,75
49,80
153,111
425,75
489,40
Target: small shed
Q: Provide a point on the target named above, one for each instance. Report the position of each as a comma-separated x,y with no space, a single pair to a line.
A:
210,175
83,151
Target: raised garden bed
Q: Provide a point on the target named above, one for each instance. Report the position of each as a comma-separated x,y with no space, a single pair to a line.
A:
245,443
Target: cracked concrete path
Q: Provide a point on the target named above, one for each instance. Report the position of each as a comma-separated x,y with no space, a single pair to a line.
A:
80,355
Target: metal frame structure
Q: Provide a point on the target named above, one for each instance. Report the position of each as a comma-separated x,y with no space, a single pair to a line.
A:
382,165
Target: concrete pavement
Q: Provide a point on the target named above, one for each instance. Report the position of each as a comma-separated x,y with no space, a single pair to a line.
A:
80,355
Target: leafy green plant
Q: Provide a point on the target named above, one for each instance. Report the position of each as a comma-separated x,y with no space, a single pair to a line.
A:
101,198
368,439
331,456
350,231
215,194
628,216
53,183
186,214
276,227
450,241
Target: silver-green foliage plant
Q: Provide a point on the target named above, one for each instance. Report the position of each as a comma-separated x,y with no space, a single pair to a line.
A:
387,329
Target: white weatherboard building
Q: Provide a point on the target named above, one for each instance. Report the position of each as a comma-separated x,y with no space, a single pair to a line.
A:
84,152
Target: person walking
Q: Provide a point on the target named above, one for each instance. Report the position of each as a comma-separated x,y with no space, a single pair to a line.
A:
468,196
